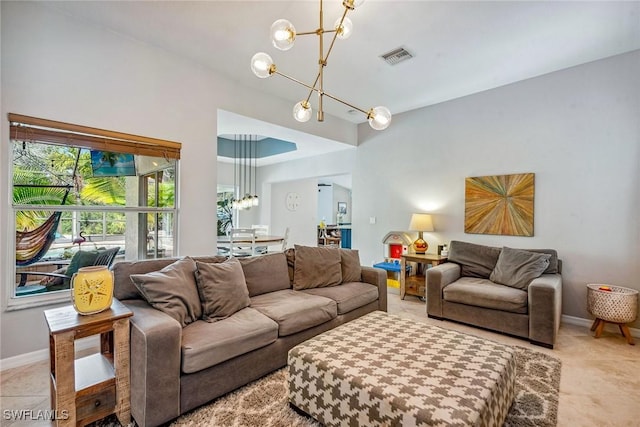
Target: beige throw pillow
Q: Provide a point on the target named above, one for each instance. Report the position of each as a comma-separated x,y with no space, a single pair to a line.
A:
517,268
316,267
351,268
222,289
172,290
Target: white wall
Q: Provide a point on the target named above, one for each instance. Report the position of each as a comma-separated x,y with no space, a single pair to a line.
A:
578,130
302,222
56,67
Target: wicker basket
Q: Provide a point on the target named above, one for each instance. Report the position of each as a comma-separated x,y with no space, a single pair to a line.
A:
620,305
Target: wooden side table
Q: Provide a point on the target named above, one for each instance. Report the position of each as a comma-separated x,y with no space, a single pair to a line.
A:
89,388
415,285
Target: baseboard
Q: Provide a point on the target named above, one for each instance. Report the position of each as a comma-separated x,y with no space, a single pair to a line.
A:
609,327
86,344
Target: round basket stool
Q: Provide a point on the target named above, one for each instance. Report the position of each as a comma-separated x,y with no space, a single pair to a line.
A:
617,305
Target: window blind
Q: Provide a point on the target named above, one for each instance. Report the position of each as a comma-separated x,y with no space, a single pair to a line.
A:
33,129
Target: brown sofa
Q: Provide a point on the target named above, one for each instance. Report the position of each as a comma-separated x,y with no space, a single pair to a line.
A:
517,292
292,296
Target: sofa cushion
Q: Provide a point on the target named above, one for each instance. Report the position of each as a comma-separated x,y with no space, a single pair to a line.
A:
554,265
295,311
316,267
475,260
348,296
484,293
172,290
265,273
350,264
517,268
123,287
206,344
222,289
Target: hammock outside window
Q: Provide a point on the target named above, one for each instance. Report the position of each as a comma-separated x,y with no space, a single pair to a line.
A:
45,176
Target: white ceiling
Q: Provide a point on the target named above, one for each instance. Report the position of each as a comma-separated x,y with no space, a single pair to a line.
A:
459,47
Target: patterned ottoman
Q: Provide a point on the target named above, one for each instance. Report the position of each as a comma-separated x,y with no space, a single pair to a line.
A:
383,370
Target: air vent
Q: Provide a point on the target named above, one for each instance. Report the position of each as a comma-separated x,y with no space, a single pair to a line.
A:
396,56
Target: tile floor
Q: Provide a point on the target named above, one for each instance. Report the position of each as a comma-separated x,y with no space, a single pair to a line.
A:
600,383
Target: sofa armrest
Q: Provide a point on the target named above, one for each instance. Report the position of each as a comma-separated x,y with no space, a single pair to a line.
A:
436,279
155,364
377,277
545,308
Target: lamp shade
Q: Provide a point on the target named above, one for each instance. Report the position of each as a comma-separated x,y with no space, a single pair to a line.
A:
421,222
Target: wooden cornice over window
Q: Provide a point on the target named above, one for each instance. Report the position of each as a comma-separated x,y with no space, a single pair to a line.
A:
33,129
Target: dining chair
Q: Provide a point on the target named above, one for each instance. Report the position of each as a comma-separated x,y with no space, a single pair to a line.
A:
242,242
261,230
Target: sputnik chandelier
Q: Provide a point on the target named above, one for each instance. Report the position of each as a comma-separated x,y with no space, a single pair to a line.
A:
283,35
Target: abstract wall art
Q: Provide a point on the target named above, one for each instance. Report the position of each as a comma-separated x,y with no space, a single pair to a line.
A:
499,204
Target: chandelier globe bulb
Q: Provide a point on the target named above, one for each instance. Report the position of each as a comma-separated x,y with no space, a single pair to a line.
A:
352,4
302,111
262,65
283,34
379,118
344,30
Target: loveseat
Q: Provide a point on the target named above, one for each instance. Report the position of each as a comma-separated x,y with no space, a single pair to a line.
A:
204,326
517,292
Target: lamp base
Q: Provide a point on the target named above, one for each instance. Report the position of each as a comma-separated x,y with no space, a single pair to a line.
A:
420,246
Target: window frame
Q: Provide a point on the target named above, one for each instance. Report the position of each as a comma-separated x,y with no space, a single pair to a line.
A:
139,145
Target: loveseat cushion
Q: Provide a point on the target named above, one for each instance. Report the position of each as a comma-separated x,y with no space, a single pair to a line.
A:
316,267
474,260
295,311
265,273
206,344
222,289
517,268
172,290
348,296
484,293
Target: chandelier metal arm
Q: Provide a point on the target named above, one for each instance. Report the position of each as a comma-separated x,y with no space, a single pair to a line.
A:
315,89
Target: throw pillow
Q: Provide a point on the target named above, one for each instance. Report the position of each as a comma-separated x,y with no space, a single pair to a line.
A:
266,273
172,290
517,268
316,267
222,289
350,263
475,260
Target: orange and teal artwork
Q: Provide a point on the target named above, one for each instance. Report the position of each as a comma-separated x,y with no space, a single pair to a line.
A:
499,204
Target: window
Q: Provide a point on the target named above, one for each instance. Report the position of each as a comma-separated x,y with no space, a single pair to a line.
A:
84,189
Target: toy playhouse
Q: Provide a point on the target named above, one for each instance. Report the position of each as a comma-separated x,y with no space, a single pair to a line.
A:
396,244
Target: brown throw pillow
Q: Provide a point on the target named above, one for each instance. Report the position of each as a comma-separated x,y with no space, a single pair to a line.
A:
351,268
266,273
474,260
172,290
517,268
316,267
222,289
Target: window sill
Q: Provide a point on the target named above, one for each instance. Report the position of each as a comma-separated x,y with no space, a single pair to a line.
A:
38,300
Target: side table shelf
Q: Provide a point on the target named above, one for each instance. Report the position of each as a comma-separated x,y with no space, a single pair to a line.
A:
415,284
90,388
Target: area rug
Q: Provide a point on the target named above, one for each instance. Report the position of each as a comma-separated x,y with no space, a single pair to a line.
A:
264,402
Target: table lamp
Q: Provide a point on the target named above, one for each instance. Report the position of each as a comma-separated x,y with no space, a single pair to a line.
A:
420,223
